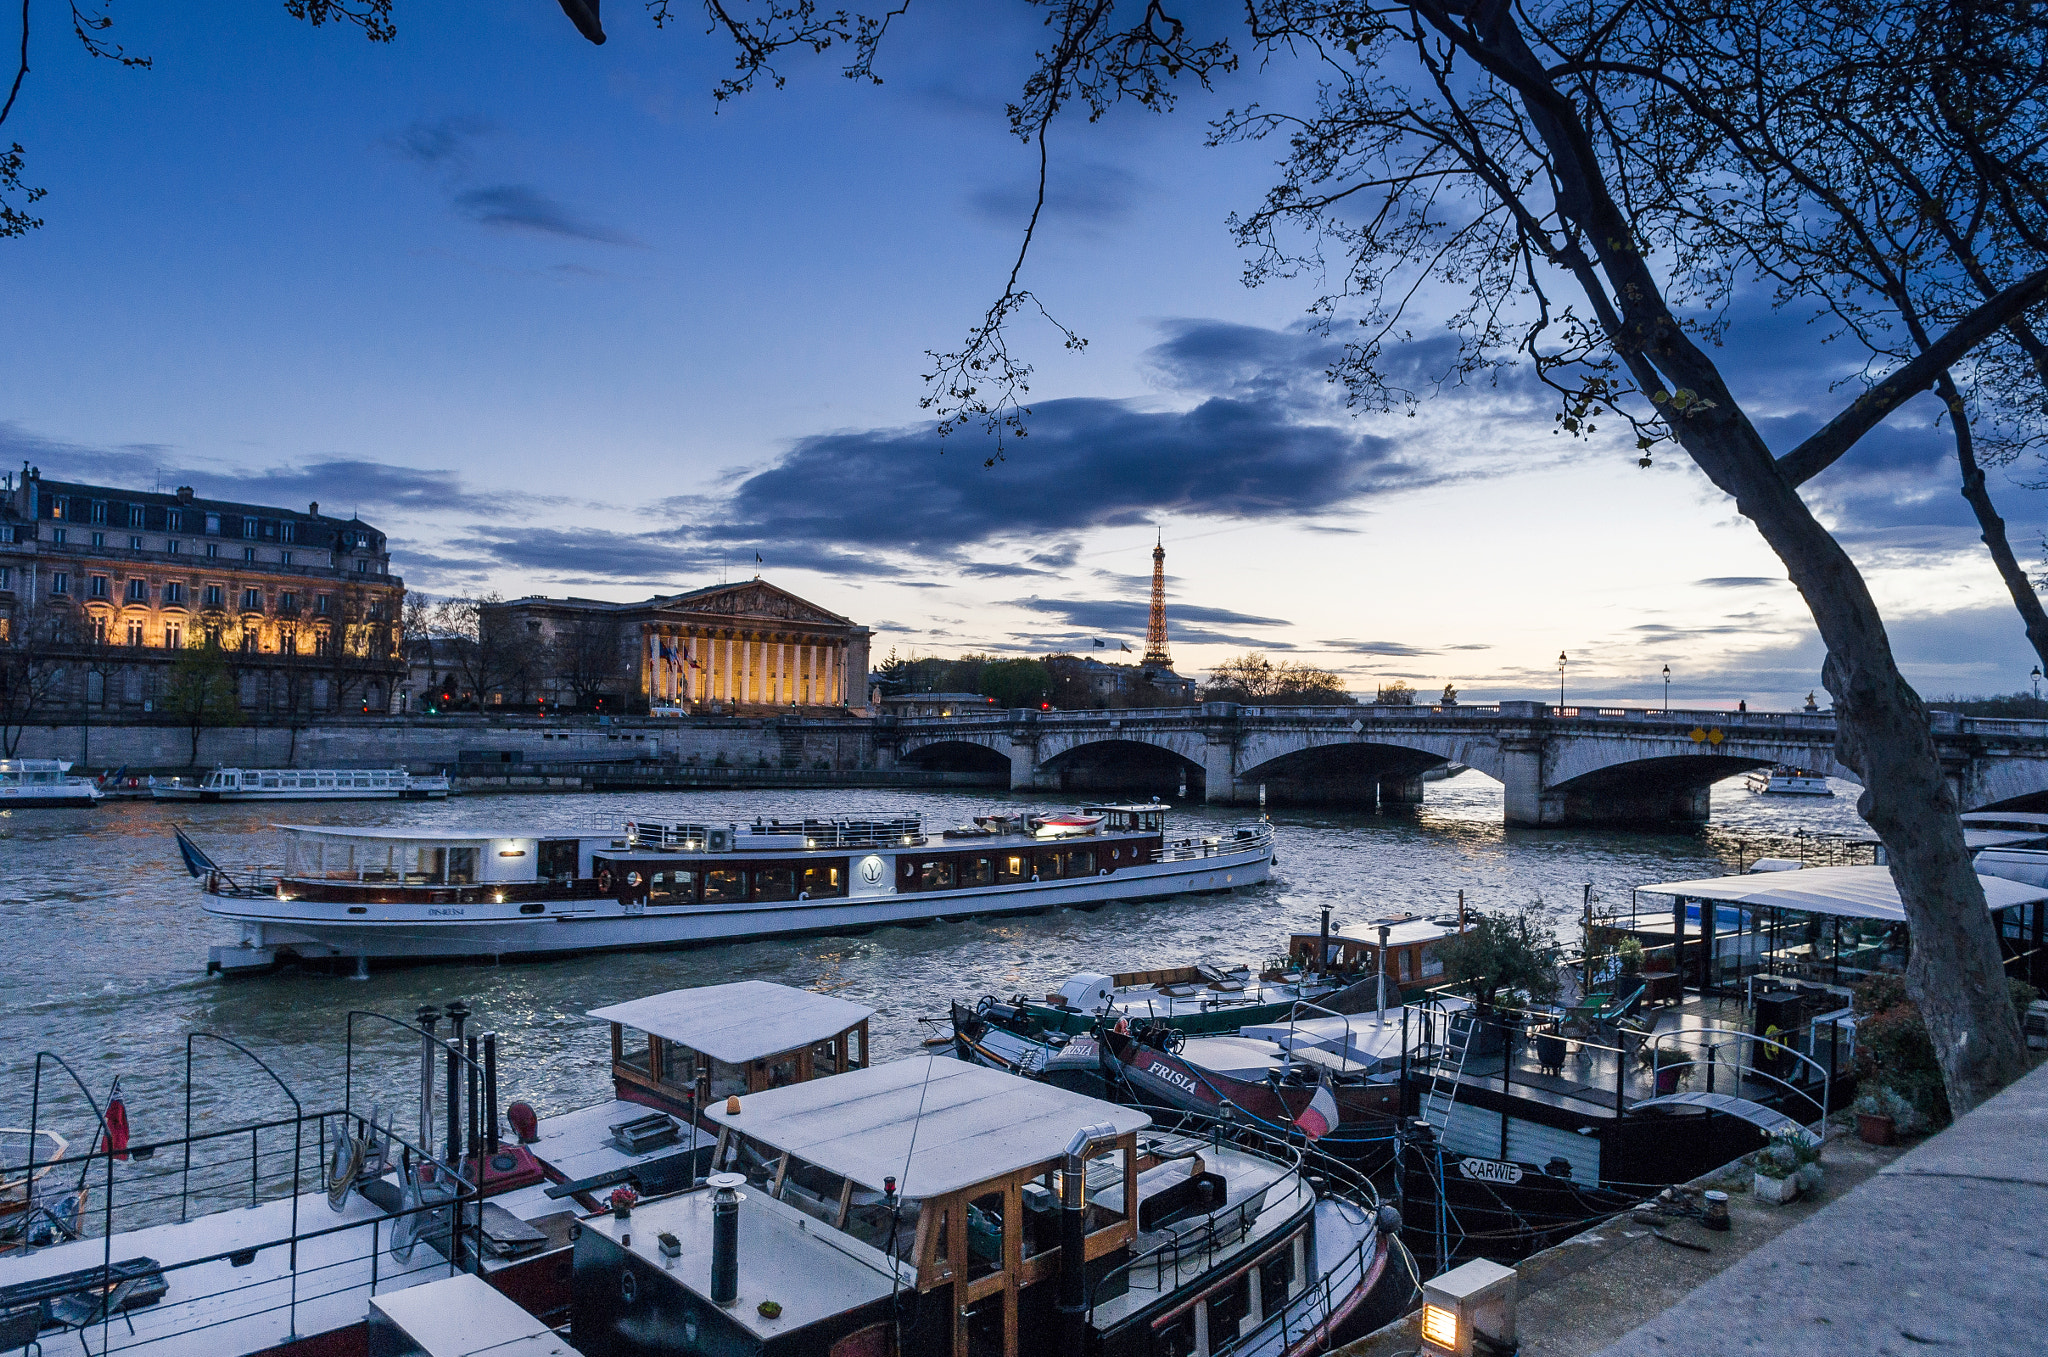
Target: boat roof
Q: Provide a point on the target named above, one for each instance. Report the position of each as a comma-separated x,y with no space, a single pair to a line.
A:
34,766
1402,930
1848,892
438,835
2006,818
870,1124
742,1021
2002,838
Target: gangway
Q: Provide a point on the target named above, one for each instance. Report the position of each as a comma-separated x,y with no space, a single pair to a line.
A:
1771,1121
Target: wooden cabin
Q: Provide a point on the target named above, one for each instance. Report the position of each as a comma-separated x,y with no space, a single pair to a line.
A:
1411,961
692,1048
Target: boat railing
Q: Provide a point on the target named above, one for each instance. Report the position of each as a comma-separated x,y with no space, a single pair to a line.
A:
1712,1041
1239,840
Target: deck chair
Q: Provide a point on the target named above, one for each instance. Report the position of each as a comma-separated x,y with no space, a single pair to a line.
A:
81,1310
18,1330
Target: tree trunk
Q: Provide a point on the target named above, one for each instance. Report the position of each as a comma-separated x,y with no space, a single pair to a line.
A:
1955,974
1992,527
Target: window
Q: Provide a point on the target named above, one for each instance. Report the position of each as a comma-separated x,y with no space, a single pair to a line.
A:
135,633
138,591
249,528
286,533
323,604
96,586
174,546
98,628
824,881
248,553
724,885
174,637
6,534
58,534
213,548
174,592
978,872
135,515
99,511
362,567
1048,865
1080,862
213,524
285,557
135,544
287,641
673,888
173,521
775,883
1013,867
99,539
252,600
287,602
936,875
213,596
60,583
6,578
249,647
678,1062
56,508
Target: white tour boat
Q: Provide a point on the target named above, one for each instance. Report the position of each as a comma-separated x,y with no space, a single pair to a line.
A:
358,894
304,784
43,782
1784,780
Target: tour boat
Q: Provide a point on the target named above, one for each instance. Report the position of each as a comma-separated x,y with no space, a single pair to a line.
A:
304,784
391,894
26,783
1784,780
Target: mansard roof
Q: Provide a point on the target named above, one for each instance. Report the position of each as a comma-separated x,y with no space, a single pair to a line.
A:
748,598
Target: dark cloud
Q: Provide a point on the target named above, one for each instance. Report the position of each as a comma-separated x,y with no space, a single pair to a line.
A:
1116,615
438,142
1378,648
1087,463
1221,358
521,207
1082,193
999,570
1739,581
1480,645
659,559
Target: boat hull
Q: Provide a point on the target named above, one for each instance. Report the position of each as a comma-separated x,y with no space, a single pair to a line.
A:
39,798
316,931
312,794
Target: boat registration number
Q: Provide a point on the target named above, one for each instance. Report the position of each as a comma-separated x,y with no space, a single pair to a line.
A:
445,913
1490,1171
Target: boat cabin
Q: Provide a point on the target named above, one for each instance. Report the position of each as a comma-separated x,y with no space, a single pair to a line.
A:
319,860
693,1048
924,1188
1143,818
1411,959
33,772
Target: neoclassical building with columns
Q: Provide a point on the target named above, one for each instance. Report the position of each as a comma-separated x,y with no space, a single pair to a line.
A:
739,648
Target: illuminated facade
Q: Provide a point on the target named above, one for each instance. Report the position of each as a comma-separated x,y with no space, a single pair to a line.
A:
115,584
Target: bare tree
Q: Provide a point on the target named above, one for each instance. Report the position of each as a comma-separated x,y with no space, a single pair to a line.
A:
32,650
362,647
584,657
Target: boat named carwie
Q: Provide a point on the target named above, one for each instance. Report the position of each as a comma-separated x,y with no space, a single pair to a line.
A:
364,894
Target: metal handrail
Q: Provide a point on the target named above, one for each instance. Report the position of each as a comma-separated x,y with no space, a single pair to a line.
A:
1753,1070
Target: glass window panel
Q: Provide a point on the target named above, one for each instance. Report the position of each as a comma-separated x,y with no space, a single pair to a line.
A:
775,883
985,1235
634,1052
977,872
824,881
936,875
724,885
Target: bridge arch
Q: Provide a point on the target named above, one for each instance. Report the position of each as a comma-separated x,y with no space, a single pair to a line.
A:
1345,772
958,756
1140,767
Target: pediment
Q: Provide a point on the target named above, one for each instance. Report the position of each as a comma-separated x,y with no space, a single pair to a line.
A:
755,598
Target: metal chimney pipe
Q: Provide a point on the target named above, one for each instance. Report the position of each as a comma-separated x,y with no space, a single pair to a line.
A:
1323,954
476,1143
725,1236
491,1092
1384,930
427,1017
1072,1302
454,1102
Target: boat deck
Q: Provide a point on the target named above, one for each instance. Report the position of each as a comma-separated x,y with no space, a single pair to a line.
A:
1597,1080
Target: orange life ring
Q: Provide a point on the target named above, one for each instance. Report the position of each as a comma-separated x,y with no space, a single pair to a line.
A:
604,880
632,881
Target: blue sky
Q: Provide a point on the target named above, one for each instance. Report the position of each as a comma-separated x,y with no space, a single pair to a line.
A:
536,309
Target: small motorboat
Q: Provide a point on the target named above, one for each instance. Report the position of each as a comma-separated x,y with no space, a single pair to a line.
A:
24,1159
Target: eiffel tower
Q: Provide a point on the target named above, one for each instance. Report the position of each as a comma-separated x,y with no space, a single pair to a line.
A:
1156,654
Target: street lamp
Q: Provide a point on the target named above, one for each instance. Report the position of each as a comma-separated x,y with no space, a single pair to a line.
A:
1562,660
1667,690
2036,676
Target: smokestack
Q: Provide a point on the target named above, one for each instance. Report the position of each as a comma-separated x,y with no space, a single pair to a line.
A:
1072,1303
725,1236
491,1092
427,1017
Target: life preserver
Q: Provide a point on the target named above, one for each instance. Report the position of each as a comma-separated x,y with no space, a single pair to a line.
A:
604,880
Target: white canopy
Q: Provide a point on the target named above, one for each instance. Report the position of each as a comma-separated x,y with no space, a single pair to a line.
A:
977,1123
1850,892
746,1020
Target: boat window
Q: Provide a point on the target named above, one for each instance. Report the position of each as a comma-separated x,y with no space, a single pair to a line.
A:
977,872
1276,1278
1049,866
870,1220
723,885
558,859
935,875
430,867
829,880
758,1162
1080,862
727,1080
775,883
1105,1193
825,1059
1013,867
1176,1337
461,866
1228,1310
812,1190
675,888
1432,964
678,1064
635,1052
779,1072
985,1235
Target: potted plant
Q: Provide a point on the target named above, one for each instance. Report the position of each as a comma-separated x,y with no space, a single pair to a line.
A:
1883,1115
1671,1068
1774,1181
1803,1154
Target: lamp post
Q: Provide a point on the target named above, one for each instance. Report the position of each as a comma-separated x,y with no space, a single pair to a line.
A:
1562,660
1667,690
2036,676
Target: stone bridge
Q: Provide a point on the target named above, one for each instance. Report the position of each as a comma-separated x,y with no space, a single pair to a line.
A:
1559,765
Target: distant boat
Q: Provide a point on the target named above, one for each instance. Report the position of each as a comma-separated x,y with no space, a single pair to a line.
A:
1784,780
304,784
43,782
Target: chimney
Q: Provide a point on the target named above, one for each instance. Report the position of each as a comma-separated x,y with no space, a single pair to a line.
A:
314,508
184,494
725,1236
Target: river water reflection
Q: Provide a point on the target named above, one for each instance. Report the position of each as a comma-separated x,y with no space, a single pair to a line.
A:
105,942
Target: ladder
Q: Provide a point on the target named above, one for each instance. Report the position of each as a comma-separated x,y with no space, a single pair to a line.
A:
1437,1102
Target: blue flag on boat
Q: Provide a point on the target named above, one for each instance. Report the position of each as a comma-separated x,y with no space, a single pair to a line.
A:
196,861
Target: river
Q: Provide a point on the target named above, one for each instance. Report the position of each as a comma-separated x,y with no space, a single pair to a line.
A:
106,941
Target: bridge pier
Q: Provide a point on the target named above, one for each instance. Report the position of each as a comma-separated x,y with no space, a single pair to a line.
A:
1400,793
1023,764
1627,806
1219,773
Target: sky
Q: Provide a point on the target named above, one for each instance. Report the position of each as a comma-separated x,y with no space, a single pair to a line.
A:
559,322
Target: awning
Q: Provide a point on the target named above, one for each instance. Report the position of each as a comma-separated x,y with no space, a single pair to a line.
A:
742,1021
1847,892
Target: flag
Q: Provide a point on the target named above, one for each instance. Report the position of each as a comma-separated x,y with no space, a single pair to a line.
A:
1319,1118
114,1140
196,862
1101,644
757,558
1126,645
